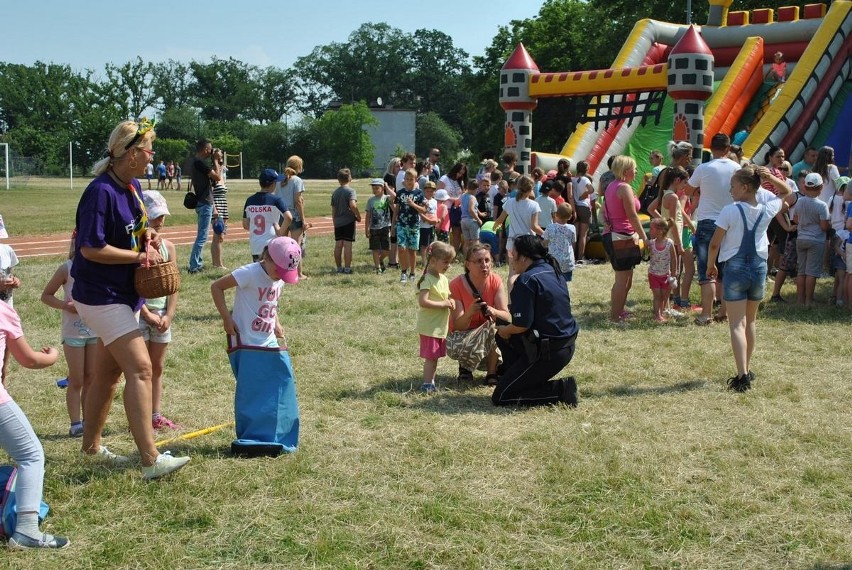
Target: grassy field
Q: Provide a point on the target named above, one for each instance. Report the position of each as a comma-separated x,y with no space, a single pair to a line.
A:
659,467
39,206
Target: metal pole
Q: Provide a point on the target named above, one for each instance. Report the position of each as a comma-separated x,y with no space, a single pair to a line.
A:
241,165
6,146
688,12
71,163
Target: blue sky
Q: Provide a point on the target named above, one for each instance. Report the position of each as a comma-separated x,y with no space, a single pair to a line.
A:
90,33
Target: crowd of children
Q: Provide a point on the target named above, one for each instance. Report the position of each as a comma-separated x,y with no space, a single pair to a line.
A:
555,206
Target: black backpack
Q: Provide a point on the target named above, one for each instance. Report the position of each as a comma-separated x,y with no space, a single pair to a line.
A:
649,193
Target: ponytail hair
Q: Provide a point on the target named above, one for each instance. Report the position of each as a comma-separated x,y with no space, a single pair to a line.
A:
440,251
525,187
678,150
748,176
663,224
532,247
295,164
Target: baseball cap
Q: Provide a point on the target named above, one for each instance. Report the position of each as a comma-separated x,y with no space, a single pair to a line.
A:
156,204
430,184
813,180
286,254
268,176
218,226
377,182
841,182
3,233
551,174
442,195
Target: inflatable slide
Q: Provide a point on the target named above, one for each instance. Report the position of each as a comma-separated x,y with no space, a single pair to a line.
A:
811,108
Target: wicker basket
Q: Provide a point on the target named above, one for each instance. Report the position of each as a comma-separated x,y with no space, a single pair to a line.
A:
157,279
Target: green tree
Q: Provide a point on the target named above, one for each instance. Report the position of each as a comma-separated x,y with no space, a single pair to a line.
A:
433,131
182,122
265,147
436,79
276,93
172,83
370,64
132,84
345,143
37,96
172,149
223,89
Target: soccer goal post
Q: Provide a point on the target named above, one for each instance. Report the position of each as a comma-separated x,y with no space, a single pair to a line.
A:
6,162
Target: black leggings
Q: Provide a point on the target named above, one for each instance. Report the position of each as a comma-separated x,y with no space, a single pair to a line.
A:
528,383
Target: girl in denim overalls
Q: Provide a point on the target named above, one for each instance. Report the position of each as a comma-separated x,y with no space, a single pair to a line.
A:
741,246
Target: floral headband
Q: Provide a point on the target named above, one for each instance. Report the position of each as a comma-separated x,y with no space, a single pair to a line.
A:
144,125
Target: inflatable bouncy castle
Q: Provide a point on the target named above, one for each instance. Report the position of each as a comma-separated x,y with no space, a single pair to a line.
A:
679,82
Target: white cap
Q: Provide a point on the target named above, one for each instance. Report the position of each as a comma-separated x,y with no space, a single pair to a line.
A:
813,179
156,204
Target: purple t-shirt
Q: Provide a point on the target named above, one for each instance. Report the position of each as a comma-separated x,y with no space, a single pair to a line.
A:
108,214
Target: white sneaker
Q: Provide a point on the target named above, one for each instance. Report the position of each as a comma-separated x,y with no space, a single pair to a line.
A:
164,465
105,455
673,314
403,278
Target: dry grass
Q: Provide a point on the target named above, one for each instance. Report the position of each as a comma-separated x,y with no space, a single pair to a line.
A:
659,467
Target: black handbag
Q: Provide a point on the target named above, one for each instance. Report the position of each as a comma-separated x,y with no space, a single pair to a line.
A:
190,201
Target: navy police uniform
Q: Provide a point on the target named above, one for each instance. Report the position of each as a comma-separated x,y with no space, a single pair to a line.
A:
539,302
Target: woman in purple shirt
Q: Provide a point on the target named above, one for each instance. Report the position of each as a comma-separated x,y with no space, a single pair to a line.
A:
622,223
112,240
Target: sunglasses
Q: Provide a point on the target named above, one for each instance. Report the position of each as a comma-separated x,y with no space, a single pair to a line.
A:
150,153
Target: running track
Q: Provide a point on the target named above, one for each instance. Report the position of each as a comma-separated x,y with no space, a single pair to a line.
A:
58,244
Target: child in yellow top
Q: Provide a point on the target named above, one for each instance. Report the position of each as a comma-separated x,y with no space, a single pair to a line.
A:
433,298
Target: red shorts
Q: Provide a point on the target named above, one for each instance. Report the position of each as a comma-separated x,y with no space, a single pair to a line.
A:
658,281
432,348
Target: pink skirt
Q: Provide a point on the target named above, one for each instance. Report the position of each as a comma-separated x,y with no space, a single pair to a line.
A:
432,348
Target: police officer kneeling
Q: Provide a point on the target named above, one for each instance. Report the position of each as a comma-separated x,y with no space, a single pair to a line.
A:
539,342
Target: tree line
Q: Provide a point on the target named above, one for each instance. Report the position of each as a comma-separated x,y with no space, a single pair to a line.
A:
319,106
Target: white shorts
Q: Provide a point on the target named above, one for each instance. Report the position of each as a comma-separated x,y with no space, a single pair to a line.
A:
110,322
152,333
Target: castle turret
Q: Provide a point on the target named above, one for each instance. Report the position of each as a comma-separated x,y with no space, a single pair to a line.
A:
690,84
516,100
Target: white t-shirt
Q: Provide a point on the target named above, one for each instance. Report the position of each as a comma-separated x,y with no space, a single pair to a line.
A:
400,178
828,188
837,211
492,192
731,221
452,187
580,187
8,260
519,213
256,305
262,217
431,208
714,180
548,208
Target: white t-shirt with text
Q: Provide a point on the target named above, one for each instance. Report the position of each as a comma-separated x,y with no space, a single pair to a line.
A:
256,305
